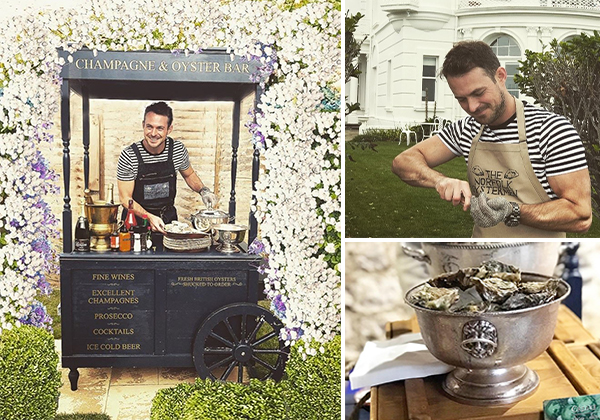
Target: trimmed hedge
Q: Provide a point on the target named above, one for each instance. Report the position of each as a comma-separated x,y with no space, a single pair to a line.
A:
311,391
259,400
29,376
313,387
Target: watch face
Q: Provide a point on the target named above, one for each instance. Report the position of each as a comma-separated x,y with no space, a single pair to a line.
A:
512,221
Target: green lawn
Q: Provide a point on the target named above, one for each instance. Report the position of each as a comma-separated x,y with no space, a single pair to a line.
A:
379,205
51,303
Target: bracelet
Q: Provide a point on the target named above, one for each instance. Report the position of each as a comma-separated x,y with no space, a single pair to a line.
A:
204,190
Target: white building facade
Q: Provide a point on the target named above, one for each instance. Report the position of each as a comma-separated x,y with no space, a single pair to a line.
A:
406,42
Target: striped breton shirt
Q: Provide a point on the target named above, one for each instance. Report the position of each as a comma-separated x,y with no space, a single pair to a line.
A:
127,168
554,146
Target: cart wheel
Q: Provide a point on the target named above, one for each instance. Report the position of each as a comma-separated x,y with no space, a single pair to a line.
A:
238,342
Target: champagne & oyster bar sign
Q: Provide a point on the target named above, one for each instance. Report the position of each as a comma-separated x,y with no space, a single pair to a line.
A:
214,66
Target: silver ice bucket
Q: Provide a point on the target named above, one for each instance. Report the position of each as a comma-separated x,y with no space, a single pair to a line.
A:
490,349
445,257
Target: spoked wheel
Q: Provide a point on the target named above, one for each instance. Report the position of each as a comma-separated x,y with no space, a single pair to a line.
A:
238,342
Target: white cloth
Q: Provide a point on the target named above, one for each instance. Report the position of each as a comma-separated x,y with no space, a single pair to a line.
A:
403,357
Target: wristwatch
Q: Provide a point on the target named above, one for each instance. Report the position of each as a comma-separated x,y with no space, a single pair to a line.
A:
514,217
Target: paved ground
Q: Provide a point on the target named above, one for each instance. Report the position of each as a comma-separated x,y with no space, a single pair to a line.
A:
122,393
350,133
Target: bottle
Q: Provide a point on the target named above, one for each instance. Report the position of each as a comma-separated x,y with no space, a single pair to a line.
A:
137,242
82,231
115,239
124,239
88,196
130,221
148,233
110,196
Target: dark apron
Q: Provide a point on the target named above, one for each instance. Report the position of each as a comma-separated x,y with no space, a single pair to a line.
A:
156,186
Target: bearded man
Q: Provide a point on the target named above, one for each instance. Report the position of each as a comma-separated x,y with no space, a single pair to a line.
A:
527,172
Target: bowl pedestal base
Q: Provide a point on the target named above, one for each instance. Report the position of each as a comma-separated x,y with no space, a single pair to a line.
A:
491,386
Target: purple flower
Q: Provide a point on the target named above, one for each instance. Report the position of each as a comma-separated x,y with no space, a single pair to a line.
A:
38,317
278,307
256,247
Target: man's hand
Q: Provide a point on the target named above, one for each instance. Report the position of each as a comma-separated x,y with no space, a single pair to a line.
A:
454,190
156,223
208,198
489,212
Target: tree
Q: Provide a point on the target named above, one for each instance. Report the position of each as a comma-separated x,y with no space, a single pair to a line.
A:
566,80
352,52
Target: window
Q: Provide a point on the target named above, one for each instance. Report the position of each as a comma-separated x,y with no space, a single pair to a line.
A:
428,83
509,53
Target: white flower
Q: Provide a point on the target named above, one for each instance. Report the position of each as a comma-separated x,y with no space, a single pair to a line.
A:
298,195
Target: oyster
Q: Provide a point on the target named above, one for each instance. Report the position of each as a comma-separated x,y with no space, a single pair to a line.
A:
494,289
469,301
430,297
522,300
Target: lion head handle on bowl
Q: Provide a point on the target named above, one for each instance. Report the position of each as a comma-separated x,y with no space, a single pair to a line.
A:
480,338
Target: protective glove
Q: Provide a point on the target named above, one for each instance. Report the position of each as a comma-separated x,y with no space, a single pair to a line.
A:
489,212
208,197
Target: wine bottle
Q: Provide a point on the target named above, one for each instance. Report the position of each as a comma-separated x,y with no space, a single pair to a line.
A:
115,239
110,196
147,229
82,231
88,196
130,221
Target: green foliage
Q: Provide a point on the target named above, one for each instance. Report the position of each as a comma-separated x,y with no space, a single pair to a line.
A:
29,376
311,392
83,416
51,302
313,388
352,51
168,403
230,400
376,135
565,79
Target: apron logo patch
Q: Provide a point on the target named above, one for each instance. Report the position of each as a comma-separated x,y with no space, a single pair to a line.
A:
154,191
494,182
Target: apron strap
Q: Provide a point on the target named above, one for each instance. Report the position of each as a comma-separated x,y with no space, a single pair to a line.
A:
520,109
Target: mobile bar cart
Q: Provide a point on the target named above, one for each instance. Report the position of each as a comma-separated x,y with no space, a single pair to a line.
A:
163,308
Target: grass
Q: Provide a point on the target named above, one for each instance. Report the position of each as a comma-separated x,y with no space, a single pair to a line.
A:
51,303
90,416
380,205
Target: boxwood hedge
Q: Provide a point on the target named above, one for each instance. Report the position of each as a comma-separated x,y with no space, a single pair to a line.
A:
29,376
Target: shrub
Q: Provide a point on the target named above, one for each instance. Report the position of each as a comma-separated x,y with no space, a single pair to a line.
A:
313,386
168,403
29,376
378,135
312,391
259,400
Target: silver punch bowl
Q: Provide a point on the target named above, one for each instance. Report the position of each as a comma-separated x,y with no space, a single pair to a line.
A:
490,349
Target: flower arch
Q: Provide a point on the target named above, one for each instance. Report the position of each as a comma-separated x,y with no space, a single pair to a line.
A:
297,127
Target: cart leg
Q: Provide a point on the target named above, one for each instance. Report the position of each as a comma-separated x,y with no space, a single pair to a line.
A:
73,378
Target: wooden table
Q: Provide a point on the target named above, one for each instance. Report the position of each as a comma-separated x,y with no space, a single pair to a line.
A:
570,367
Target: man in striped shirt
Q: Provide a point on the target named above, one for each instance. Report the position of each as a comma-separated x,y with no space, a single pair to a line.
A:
147,170
527,170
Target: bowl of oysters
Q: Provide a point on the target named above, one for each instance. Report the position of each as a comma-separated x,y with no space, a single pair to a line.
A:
488,321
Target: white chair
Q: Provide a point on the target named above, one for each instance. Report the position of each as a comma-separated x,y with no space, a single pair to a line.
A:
408,133
437,127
